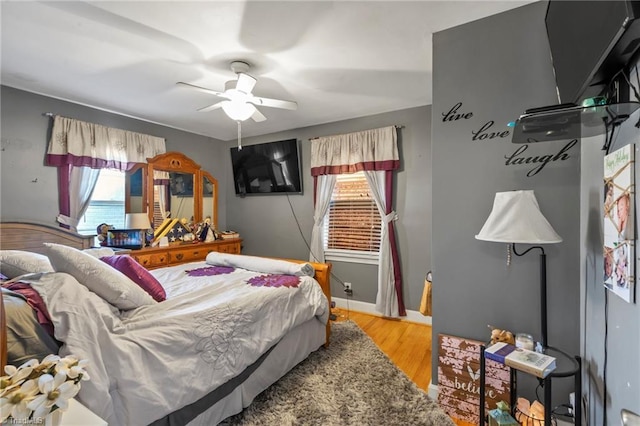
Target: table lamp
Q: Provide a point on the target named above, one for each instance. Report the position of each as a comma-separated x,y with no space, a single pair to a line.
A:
516,218
139,221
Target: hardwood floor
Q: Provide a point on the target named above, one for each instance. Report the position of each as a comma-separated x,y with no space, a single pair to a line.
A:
407,344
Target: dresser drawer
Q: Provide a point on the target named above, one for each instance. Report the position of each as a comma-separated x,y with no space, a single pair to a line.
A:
233,248
152,260
188,255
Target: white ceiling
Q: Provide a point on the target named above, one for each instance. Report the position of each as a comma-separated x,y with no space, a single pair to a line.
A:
337,60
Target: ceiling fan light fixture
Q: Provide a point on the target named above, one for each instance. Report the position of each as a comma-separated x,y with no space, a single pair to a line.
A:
238,111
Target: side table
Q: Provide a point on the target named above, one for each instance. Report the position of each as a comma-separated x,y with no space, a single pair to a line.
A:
566,366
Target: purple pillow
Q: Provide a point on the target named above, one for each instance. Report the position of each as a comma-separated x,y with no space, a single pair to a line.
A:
138,274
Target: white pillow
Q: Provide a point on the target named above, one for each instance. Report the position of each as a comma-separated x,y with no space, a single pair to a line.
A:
14,263
107,282
99,252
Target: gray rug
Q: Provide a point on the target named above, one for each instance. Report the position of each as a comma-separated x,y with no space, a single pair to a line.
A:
350,383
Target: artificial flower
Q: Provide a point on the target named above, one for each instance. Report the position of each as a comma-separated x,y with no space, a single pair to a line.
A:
35,389
54,391
14,403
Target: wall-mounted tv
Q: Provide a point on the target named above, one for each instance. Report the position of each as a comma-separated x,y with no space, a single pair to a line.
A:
267,168
590,42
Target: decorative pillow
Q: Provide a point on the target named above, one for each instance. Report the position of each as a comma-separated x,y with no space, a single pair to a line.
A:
138,274
34,300
99,252
108,283
260,264
26,339
14,263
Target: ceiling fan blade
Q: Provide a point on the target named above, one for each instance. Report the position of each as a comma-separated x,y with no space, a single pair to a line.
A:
258,116
202,89
211,107
245,82
274,103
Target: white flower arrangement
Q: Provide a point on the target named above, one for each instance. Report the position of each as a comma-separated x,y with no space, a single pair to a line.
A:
35,389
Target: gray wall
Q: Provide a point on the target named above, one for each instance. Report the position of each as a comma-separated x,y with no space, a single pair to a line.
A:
498,67
608,322
269,223
25,135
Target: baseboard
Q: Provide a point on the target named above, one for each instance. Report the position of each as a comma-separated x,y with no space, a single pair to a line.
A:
433,391
370,308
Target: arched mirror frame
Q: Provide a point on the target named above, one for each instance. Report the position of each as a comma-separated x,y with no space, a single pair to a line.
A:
177,162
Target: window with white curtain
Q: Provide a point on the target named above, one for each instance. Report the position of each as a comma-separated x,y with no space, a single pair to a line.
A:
107,203
352,225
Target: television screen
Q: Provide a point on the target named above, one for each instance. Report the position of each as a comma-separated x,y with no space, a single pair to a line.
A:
267,168
590,42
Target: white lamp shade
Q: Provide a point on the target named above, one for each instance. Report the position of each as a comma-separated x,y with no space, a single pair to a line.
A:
238,111
136,221
516,218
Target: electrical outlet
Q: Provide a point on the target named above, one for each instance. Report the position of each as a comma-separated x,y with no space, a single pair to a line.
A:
347,287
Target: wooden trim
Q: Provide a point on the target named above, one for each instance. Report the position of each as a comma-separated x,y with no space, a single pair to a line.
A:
323,276
3,337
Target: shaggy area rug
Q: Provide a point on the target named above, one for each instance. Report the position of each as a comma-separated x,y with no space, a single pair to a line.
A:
349,383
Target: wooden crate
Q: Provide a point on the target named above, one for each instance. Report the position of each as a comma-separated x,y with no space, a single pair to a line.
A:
459,379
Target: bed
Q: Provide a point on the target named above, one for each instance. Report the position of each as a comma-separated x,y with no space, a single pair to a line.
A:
223,335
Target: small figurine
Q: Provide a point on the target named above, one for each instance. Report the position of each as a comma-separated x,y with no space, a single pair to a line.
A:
498,335
103,233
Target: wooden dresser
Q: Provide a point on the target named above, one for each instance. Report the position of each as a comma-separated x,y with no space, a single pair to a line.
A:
157,257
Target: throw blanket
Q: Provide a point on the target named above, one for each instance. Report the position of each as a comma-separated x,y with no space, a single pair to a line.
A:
148,362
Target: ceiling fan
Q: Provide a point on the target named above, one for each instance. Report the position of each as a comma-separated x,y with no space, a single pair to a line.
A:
239,103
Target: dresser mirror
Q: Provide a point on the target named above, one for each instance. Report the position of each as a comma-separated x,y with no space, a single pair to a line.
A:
209,198
180,189
135,200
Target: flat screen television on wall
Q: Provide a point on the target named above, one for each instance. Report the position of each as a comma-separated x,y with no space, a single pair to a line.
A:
267,168
591,42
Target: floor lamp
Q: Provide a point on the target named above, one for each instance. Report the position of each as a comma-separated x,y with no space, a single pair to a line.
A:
516,218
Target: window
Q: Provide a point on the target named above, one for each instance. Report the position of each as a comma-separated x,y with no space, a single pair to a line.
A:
352,225
107,203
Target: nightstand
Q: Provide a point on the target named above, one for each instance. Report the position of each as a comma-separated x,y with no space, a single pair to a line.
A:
79,415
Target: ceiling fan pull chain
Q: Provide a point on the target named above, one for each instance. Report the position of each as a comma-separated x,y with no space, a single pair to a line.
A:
239,135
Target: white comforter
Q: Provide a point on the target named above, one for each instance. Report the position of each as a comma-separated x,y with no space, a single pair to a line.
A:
148,362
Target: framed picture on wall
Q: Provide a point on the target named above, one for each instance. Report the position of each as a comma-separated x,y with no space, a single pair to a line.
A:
619,223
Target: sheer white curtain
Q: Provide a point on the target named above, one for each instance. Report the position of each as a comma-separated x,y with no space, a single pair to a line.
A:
387,297
324,189
82,181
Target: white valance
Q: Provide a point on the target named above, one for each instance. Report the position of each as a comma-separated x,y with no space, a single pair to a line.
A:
375,149
81,144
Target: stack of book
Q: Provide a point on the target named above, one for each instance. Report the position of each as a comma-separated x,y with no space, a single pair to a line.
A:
540,365
229,235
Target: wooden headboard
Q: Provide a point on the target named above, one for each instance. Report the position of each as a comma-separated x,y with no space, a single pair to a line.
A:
30,236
